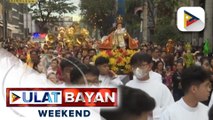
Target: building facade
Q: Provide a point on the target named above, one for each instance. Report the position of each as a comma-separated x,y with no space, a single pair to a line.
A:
15,19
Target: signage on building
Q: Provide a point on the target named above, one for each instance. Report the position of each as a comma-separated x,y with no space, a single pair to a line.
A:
23,1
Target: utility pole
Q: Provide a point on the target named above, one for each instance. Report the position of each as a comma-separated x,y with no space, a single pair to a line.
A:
145,21
5,37
209,22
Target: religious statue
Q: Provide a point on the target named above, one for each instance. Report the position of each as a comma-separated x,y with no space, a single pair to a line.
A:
69,38
119,38
73,35
61,33
96,34
70,31
49,39
188,56
170,46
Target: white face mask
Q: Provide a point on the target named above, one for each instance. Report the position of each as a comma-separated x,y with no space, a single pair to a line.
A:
139,73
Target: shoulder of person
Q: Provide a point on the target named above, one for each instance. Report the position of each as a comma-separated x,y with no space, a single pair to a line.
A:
163,87
204,107
170,110
156,74
130,82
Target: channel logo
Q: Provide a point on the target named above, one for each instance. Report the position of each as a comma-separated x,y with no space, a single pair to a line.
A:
15,97
191,19
62,97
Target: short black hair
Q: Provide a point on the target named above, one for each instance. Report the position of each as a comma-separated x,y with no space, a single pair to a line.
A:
77,73
180,60
133,103
101,60
34,51
211,113
159,62
68,62
55,59
139,57
92,50
92,69
193,75
154,49
11,49
86,57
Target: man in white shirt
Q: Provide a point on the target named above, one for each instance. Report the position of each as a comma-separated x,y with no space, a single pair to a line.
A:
141,64
156,56
106,77
196,87
154,76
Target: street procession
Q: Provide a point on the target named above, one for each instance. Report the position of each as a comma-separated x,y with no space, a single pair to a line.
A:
106,59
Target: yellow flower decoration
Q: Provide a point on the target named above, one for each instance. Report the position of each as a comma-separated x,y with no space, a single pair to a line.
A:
114,68
119,59
112,61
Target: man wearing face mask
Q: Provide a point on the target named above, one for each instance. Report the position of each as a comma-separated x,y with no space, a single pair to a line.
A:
141,66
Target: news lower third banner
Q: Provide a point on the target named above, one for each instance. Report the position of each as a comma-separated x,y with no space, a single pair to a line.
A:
21,97
62,97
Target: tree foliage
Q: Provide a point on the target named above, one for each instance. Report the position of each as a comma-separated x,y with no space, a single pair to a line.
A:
165,32
99,13
166,10
132,20
48,11
166,17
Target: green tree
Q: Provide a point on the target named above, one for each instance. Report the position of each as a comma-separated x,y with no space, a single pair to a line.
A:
160,12
166,11
99,13
165,32
132,20
48,11
165,20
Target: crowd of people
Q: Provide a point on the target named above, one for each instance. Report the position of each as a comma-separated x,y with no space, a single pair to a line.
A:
183,75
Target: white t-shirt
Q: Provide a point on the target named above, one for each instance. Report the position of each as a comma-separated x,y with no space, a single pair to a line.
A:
155,76
108,81
158,91
15,74
211,101
181,111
